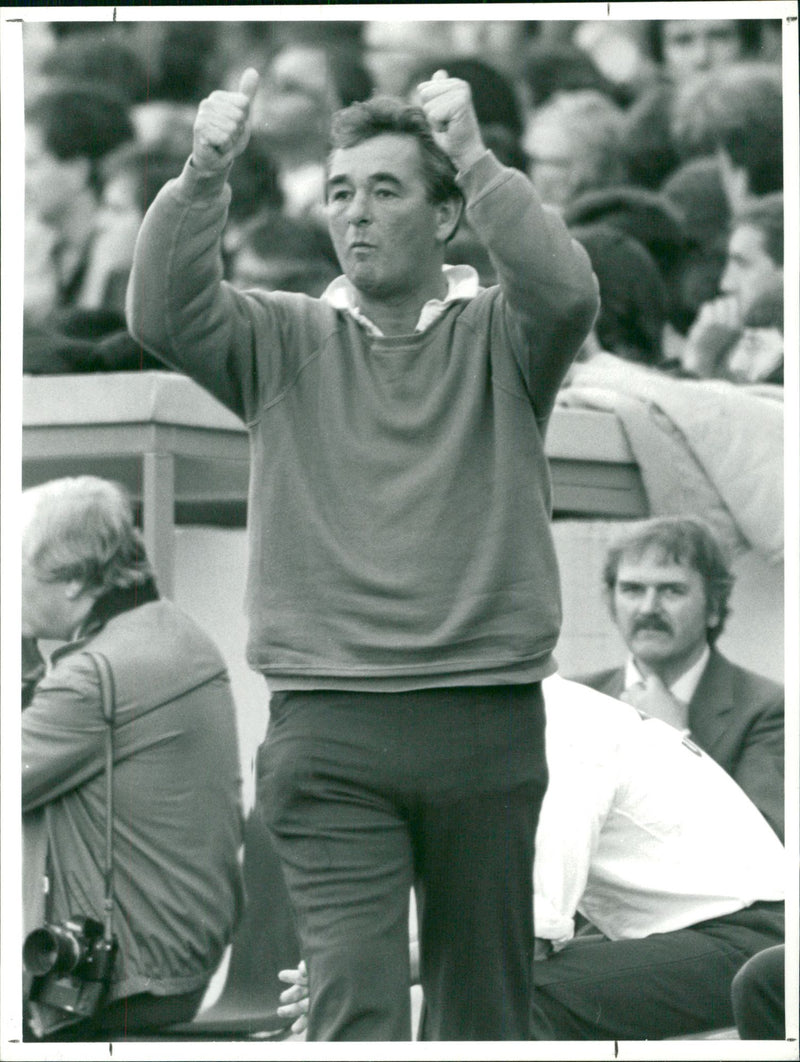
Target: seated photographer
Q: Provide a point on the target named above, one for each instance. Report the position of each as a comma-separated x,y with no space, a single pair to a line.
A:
176,816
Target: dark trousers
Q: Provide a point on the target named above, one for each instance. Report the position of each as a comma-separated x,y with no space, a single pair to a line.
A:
759,996
667,984
368,795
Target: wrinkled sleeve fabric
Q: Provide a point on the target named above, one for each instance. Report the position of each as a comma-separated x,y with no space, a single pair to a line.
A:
181,309
549,294
63,733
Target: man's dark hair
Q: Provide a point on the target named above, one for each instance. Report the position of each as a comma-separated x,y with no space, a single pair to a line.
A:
385,114
274,235
682,540
351,78
738,108
765,213
553,66
747,30
99,59
633,296
81,122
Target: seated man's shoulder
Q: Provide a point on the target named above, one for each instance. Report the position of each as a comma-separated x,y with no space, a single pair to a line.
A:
163,640
749,687
763,688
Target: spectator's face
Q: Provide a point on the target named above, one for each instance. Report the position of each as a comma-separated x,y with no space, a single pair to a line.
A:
749,271
51,609
387,234
295,99
51,184
551,160
661,611
692,45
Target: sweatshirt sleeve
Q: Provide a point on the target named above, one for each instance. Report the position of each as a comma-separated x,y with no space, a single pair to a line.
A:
178,305
550,295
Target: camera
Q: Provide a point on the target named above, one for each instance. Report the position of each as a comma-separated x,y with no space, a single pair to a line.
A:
71,964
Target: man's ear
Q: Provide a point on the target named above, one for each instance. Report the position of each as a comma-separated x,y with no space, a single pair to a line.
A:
448,215
608,598
74,588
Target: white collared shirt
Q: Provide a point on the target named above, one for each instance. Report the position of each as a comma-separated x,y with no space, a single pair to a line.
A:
462,283
683,688
640,830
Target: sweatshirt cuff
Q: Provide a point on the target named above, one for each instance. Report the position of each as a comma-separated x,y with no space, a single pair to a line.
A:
483,174
193,184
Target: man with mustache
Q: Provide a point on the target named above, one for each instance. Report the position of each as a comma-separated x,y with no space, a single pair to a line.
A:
403,592
667,586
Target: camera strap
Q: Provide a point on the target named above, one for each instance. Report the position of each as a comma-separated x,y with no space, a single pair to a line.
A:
108,701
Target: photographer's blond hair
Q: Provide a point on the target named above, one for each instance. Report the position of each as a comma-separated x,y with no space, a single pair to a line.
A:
82,528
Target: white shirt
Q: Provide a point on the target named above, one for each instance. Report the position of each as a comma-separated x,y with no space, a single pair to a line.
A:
682,689
462,283
640,831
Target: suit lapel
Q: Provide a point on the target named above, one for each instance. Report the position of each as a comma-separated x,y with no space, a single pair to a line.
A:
710,707
613,683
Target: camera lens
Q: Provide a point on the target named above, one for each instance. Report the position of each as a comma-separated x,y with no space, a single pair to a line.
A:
50,950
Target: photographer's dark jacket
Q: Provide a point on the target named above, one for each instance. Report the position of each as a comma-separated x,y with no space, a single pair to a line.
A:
177,821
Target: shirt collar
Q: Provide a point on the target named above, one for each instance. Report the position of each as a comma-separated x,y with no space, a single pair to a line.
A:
111,604
682,689
462,283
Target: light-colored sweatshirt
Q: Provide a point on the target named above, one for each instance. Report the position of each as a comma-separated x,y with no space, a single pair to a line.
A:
400,500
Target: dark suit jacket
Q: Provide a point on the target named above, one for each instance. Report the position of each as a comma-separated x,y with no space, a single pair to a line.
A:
736,716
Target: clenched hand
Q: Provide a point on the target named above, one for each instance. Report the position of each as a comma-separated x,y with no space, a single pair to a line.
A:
222,125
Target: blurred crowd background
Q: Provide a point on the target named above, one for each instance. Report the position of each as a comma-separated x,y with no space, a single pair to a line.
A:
660,142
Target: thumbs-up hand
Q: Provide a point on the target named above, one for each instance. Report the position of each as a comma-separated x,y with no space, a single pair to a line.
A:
447,103
222,125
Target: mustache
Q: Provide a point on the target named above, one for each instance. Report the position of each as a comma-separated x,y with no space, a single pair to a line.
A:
652,623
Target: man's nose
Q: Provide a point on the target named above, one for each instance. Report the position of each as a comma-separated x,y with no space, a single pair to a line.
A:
358,209
727,283
650,600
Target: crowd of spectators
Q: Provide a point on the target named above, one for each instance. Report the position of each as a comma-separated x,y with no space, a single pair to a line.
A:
660,142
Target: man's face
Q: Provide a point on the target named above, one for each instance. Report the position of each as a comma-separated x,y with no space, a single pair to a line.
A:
551,159
692,45
749,271
51,609
661,610
295,99
388,236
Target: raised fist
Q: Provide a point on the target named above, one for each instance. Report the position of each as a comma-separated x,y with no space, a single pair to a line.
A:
222,125
447,103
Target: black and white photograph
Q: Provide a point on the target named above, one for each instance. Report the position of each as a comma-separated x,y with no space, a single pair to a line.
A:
400,526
